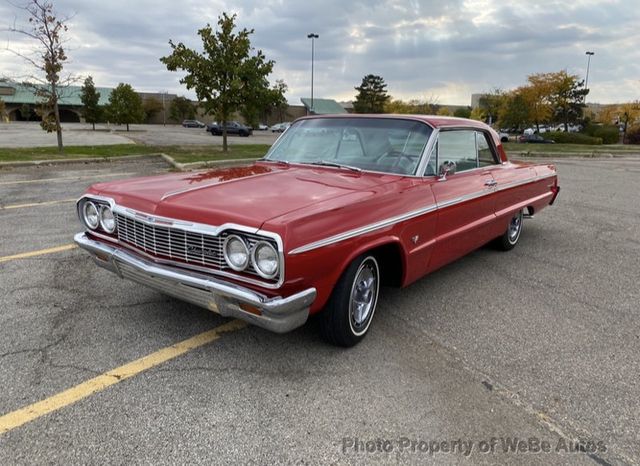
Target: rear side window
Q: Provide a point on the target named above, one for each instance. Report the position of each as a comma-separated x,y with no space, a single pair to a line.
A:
458,147
485,153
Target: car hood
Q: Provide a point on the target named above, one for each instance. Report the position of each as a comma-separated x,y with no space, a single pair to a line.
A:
249,195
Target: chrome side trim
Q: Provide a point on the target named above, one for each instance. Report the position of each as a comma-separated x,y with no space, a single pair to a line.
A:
363,230
415,213
466,197
513,184
426,156
194,227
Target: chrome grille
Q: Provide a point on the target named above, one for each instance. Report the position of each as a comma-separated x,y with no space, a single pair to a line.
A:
172,243
180,245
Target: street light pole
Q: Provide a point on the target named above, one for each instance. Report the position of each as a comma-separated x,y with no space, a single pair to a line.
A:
312,36
586,79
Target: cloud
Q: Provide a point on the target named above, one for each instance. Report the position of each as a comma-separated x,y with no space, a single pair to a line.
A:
423,48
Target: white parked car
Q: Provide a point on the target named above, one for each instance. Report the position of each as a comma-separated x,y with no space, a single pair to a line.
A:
280,127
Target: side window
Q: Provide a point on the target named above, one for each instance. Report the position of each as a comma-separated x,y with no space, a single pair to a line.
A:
485,153
458,147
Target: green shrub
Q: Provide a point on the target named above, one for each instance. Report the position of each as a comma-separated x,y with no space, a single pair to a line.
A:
610,134
633,136
572,138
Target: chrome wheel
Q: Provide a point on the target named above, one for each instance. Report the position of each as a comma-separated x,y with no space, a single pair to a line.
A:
515,228
364,295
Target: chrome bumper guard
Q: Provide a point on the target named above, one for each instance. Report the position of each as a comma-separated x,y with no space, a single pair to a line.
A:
277,314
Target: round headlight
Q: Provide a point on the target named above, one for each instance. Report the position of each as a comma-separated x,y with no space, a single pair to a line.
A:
107,220
236,253
265,259
90,215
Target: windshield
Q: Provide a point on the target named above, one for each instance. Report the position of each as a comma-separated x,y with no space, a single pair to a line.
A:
374,144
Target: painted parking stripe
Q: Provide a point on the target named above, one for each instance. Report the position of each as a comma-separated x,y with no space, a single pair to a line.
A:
60,180
36,204
29,413
40,252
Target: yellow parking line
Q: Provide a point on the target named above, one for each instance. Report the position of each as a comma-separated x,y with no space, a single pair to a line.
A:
36,204
43,180
26,255
29,413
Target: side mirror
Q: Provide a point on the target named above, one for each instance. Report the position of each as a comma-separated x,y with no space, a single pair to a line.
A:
446,168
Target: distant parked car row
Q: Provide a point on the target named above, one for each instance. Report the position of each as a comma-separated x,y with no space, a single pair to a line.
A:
535,139
548,129
193,124
280,127
232,127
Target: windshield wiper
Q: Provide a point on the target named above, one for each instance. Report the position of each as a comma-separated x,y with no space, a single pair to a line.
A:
284,162
328,163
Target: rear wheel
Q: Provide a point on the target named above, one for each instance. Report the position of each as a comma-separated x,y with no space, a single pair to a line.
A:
510,237
348,314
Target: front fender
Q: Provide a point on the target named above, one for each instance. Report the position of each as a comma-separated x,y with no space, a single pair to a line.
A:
329,262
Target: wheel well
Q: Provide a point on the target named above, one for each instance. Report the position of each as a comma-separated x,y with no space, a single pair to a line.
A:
529,210
389,257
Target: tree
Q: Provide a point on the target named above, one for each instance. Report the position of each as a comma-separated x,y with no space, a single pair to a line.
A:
151,107
445,111
226,74
630,113
125,106
397,106
491,104
537,97
47,30
477,114
462,112
279,101
90,98
180,109
372,95
515,112
567,97
3,110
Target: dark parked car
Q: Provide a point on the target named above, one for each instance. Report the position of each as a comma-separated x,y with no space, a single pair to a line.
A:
193,124
233,127
535,139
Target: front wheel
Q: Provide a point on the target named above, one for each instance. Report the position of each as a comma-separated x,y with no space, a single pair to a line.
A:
348,314
510,238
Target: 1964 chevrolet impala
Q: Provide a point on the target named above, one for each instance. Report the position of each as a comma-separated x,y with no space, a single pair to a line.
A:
338,206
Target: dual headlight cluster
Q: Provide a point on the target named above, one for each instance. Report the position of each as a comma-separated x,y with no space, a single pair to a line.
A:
98,215
262,255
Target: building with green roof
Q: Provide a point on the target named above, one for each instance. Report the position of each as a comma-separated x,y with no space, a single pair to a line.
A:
21,101
322,106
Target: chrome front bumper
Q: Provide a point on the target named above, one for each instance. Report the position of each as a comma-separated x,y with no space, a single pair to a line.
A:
276,314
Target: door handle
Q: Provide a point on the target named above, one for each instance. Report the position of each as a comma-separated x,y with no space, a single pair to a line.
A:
490,183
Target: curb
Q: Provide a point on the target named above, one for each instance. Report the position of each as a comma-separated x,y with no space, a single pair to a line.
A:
29,163
566,155
168,159
214,163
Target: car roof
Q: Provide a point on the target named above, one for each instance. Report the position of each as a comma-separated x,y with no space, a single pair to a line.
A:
435,121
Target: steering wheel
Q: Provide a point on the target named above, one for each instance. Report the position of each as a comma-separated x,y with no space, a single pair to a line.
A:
399,155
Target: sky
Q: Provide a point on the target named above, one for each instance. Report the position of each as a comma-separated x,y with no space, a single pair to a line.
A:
442,51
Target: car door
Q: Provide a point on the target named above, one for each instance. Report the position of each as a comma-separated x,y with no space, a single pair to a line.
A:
465,199
513,182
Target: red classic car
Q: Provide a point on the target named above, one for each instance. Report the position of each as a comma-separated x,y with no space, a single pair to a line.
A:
337,207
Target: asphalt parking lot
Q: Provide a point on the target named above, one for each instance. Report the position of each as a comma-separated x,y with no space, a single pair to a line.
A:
29,134
538,343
